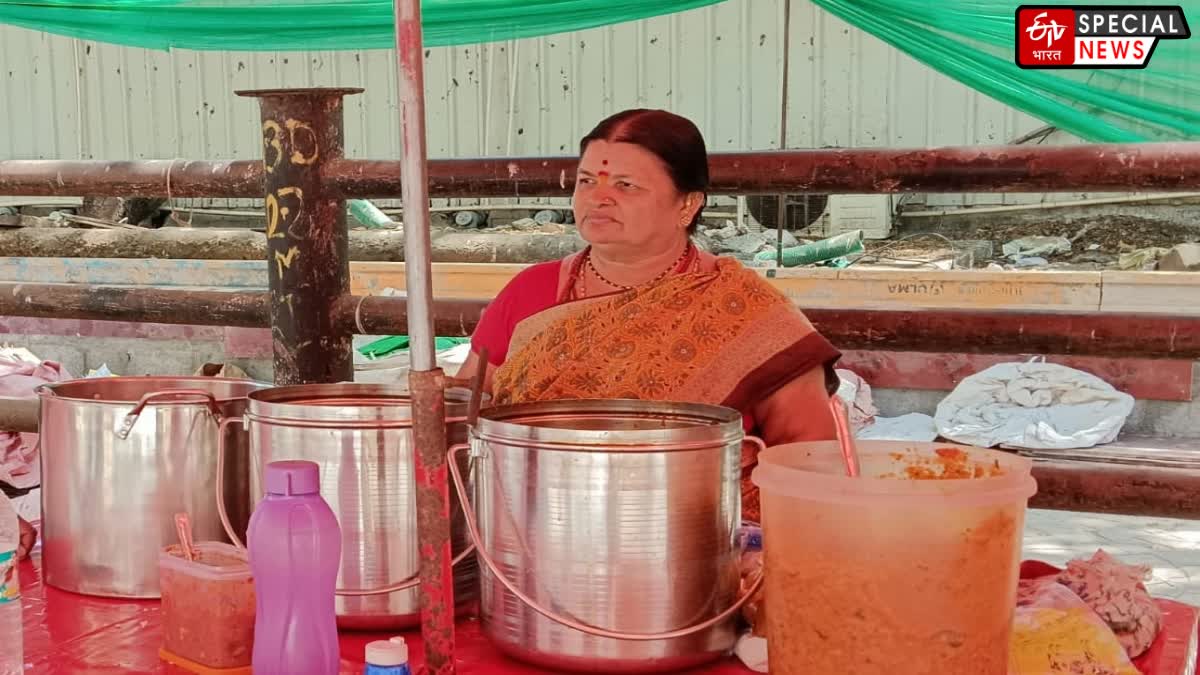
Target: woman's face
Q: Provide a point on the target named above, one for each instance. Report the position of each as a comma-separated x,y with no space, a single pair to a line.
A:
625,199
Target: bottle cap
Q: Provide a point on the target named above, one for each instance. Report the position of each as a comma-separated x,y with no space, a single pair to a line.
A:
387,653
293,477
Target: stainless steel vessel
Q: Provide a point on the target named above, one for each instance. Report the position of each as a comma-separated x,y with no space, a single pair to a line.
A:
609,532
120,456
361,437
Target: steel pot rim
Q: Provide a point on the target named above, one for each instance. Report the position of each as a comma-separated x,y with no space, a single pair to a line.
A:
216,385
664,426
344,403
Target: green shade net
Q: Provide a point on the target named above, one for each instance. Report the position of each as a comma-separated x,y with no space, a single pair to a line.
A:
973,41
283,25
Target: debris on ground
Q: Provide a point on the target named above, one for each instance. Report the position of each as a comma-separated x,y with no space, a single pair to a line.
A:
1141,259
1032,261
1182,258
1036,247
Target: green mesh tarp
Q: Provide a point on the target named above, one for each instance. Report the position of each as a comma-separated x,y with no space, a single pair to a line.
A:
283,25
973,42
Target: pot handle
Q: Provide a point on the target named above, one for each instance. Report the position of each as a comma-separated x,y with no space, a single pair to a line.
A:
221,511
486,559
414,580
131,419
411,582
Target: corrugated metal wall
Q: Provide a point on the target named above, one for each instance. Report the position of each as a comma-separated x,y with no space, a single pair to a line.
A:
721,66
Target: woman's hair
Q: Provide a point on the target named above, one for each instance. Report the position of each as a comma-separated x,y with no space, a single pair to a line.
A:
671,138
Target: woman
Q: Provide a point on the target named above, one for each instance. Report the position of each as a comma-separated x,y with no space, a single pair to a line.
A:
642,313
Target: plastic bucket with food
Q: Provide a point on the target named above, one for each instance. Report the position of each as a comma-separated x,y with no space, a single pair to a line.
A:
910,568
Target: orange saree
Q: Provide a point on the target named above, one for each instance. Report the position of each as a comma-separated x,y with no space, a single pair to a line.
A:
722,336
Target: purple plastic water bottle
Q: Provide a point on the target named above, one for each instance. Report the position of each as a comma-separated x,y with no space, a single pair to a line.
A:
295,548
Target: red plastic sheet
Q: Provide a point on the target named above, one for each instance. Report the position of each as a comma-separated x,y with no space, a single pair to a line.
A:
69,634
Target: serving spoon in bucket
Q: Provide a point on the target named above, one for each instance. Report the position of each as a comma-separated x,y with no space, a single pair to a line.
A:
841,422
183,528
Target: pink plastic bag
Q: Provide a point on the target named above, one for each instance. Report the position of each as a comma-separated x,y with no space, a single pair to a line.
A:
1116,592
860,406
21,373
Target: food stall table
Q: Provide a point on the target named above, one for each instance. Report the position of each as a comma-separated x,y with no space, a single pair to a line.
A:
70,634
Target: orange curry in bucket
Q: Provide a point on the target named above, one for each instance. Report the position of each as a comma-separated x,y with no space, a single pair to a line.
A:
947,464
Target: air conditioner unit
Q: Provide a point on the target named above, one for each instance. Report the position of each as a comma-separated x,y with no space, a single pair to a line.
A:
870,213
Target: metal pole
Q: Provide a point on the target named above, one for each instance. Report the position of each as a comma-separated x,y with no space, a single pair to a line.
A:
782,219
414,186
426,380
308,259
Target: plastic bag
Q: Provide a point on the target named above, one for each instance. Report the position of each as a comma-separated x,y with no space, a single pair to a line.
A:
1033,405
21,373
857,394
1117,594
751,647
911,427
1055,632
750,566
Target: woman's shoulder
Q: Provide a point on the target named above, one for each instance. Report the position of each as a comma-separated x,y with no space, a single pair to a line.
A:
537,272
531,290
536,281
528,292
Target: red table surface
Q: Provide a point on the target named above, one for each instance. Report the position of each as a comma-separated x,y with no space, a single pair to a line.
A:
69,634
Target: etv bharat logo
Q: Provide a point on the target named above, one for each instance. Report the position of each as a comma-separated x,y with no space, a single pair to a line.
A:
1079,36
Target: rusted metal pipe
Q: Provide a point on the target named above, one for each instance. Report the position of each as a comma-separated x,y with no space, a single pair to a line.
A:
426,380
1160,166
308,261
433,519
376,315
1008,332
1166,167
136,305
1151,336
141,178
1134,490
19,414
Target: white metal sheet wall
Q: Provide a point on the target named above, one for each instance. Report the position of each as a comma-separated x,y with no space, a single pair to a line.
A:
722,66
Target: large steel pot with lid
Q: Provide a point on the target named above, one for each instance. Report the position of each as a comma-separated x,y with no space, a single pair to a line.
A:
608,530
120,456
361,437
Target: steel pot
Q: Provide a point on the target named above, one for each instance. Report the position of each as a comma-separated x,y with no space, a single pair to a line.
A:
608,529
120,456
361,437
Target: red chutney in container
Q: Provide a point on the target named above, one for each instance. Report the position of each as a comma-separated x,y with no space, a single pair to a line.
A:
208,605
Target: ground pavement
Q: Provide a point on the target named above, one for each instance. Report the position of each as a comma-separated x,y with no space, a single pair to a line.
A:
1170,546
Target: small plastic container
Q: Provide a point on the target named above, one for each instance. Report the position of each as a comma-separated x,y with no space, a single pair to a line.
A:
207,609
909,569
